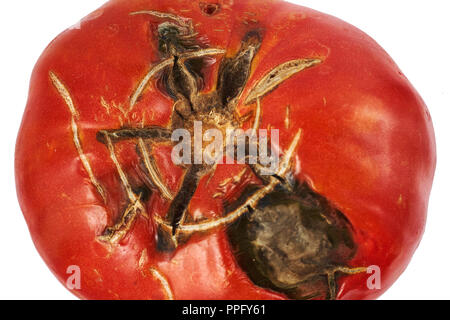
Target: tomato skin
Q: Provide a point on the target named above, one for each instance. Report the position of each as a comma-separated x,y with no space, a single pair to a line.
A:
368,147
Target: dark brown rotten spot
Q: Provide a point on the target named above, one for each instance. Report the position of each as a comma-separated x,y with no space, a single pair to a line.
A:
292,241
234,72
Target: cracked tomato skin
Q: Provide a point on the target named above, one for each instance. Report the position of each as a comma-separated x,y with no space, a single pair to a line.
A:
368,147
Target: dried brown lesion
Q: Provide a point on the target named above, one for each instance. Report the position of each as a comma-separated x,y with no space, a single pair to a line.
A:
295,242
250,204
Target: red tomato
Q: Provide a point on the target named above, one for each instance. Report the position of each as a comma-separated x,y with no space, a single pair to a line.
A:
364,164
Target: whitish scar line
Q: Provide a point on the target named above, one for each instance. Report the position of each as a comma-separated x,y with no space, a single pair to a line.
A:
164,283
131,195
153,172
64,93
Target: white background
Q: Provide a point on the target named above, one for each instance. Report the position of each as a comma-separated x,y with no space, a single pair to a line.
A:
416,33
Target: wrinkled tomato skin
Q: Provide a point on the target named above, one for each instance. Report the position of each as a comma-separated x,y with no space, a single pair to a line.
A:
367,146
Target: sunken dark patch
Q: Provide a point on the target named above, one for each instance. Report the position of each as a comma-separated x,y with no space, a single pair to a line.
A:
290,241
234,73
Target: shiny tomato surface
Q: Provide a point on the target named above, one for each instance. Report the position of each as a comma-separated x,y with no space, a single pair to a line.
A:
367,147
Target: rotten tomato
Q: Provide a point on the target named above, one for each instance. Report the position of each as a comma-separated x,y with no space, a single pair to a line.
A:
123,158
